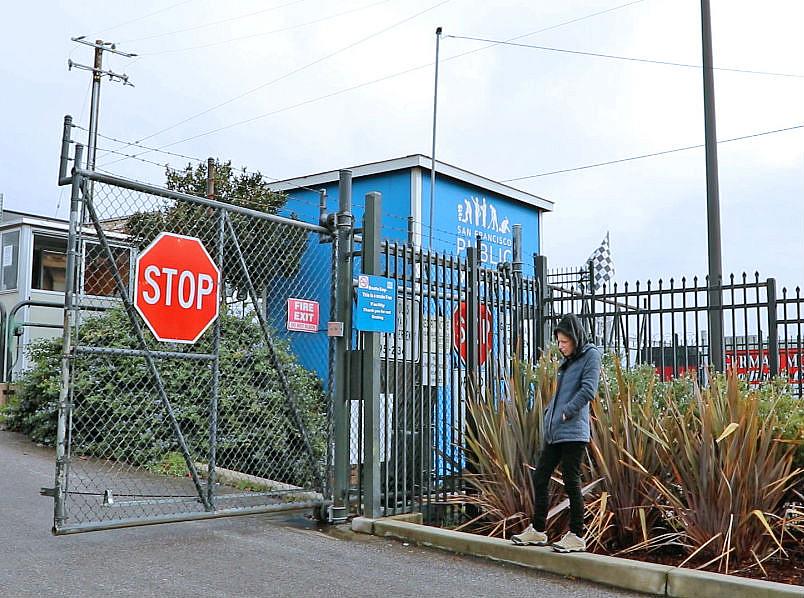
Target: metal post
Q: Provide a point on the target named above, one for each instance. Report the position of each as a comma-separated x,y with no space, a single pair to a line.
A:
773,329
472,310
216,350
343,345
433,156
371,366
592,320
472,382
66,378
712,196
540,269
210,178
516,263
64,161
324,217
517,323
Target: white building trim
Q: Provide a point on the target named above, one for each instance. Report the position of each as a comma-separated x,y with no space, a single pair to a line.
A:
421,162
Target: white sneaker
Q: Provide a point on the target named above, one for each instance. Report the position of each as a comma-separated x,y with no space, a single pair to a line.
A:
570,543
530,537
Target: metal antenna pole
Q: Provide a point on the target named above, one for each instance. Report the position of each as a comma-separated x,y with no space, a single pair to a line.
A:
712,196
433,154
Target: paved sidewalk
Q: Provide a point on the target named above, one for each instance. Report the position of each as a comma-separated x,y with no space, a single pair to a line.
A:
245,556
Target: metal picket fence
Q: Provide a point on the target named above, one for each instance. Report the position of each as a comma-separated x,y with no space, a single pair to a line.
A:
237,422
666,323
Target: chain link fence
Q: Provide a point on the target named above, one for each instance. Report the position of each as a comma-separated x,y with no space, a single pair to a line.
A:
237,421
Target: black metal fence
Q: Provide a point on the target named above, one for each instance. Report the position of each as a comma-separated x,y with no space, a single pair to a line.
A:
445,336
460,325
665,324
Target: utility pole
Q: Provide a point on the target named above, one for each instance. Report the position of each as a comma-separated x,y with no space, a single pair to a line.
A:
97,72
210,178
715,298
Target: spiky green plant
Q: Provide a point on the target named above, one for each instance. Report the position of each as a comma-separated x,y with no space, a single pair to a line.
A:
503,441
729,473
623,451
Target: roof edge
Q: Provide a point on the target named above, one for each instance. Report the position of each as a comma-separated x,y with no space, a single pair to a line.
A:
415,161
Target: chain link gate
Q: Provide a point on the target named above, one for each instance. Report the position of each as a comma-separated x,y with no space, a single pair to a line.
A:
237,423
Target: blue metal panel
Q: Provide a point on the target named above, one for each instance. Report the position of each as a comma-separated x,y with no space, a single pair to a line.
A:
463,211
311,348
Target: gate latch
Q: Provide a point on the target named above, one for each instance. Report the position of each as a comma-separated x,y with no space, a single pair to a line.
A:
51,492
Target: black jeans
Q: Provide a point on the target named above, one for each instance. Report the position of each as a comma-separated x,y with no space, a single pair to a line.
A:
569,454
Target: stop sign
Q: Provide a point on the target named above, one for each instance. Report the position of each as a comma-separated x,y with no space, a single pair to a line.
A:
176,287
484,328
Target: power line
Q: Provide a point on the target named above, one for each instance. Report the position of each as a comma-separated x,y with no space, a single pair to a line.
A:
184,156
264,33
125,144
150,14
392,76
133,157
295,71
626,58
245,201
213,23
651,155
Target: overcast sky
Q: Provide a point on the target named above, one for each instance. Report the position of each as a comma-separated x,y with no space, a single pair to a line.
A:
504,112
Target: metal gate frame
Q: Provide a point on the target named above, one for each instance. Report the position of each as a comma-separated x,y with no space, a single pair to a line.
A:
82,215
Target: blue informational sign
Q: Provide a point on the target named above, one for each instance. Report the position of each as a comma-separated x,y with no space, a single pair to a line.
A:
376,304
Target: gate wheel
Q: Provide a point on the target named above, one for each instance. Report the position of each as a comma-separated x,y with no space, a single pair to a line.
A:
321,512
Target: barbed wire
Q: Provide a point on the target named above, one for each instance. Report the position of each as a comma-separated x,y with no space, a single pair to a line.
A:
247,202
195,159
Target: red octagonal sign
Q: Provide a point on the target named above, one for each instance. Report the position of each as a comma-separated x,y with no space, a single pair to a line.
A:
485,332
176,288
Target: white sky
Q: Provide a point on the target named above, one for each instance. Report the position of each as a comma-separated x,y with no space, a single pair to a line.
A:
504,112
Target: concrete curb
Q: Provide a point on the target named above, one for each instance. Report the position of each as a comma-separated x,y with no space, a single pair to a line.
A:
650,578
689,582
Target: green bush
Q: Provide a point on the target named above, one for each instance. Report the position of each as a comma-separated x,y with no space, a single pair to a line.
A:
118,415
680,392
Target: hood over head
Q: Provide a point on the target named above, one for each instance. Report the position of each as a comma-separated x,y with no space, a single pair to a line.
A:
571,325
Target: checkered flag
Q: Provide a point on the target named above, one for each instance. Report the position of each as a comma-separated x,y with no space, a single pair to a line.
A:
602,264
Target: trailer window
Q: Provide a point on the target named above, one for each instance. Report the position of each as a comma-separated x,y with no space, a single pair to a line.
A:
11,254
49,263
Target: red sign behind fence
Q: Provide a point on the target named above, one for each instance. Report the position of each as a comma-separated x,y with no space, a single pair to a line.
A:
752,369
485,331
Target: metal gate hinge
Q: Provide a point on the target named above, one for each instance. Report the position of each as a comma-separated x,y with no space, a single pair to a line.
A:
51,492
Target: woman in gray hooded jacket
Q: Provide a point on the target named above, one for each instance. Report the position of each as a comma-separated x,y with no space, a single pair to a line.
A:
566,434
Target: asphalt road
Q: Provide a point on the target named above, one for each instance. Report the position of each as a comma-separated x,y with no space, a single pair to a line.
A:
242,556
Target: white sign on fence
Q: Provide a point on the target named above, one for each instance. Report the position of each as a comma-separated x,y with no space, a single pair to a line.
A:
405,342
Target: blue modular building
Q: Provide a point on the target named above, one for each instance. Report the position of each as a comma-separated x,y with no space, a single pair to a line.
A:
467,205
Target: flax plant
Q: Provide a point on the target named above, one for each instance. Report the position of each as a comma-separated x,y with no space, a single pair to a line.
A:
503,440
624,454
728,474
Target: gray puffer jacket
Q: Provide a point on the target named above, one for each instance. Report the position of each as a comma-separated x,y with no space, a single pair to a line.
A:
566,418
